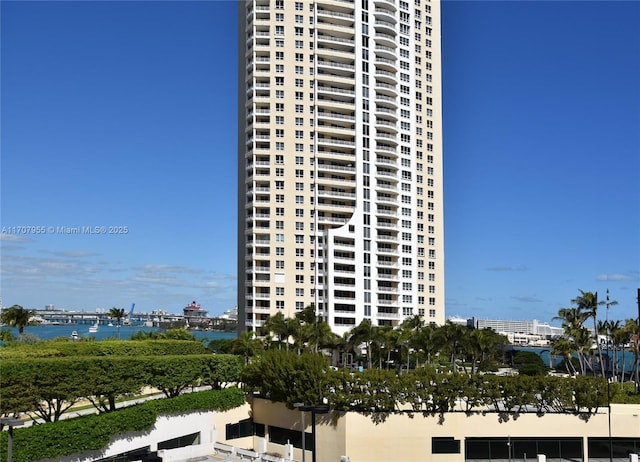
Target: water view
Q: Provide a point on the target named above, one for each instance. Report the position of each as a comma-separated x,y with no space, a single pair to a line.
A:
50,331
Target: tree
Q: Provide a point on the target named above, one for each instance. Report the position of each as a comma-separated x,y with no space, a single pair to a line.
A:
246,345
16,316
117,314
364,333
529,363
587,302
277,324
451,337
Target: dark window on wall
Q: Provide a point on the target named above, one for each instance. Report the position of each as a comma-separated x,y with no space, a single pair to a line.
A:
244,428
445,445
283,436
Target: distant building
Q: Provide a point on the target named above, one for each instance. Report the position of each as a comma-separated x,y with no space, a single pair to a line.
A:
520,332
194,314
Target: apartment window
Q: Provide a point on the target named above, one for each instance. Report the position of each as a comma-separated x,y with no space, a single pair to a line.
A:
280,251
300,265
299,19
279,120
280,198
280,107
279,43
299,252
279,146
299,173
299,239
299,121
280,17
300,213
280,291
279,159
279,184
299,83
299,226
299,147
299,279
279,171
279,30
279,133
279,224
280,94
279,264
279,237
279,211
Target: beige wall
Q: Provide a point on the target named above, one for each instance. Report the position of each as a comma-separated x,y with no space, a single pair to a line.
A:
407,436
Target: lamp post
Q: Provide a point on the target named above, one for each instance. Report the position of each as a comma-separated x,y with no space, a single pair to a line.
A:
10,422
300,407
318,409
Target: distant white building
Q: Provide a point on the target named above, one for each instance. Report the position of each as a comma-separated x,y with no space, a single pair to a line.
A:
532,328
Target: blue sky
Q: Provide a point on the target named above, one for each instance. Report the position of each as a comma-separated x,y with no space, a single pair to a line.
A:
124,114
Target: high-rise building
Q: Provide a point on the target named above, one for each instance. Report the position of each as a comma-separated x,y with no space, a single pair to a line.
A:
340,161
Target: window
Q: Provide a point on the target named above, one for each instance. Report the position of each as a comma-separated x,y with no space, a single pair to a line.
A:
279,251
280,304
279,264
279,290
280,30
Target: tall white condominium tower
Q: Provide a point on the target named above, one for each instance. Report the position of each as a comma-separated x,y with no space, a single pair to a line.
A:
340,161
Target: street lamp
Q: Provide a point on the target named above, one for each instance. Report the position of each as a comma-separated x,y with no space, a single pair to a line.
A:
317,409
10,422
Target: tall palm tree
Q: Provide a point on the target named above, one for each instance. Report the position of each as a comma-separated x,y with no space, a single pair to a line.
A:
16,316
364,333
451,338
587,302
633,328
278,325
117,314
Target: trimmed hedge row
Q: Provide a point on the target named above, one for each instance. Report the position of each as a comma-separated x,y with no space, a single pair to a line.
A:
104,348
49,386
94,432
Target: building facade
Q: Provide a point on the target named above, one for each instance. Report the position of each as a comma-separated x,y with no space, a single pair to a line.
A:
340,161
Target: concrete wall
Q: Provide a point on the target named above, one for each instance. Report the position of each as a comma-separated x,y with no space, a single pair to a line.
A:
210,425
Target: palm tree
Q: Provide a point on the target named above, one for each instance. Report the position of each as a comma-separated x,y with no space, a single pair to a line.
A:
633,329
587,302
278,325
246,344
451,338
563,347
117,314
16,316
363,333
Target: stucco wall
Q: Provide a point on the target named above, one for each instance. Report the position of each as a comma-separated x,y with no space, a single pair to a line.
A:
407,436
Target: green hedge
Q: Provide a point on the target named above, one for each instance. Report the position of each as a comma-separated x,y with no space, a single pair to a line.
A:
94,432
49,386
104,348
